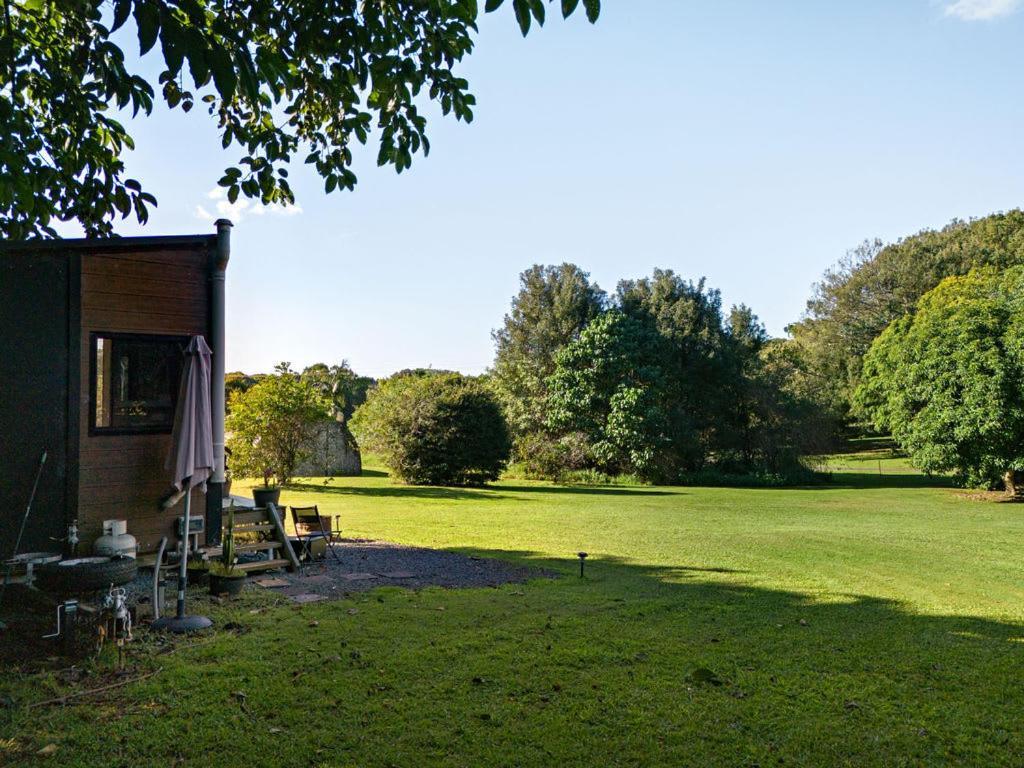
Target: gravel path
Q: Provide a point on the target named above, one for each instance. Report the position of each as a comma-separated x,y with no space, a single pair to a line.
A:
363,565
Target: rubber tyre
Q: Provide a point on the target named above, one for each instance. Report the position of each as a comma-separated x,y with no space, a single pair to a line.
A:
86,574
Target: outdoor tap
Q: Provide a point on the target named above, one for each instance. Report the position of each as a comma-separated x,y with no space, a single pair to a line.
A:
71,540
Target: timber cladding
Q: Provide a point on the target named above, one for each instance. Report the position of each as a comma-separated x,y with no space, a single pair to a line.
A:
155,291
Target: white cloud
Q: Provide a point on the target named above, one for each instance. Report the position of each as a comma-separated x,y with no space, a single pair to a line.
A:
981,10
241,208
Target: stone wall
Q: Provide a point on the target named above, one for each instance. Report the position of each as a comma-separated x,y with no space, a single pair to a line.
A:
334,452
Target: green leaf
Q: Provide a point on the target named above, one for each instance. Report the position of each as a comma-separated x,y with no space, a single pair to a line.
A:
147,18
122,9
224,76
538,10
523,15
196,51
171,44
247,75
492,5
593,8
568,6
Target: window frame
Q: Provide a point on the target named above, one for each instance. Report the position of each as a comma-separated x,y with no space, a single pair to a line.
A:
147,429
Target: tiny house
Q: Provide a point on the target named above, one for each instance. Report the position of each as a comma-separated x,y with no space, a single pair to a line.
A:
91,340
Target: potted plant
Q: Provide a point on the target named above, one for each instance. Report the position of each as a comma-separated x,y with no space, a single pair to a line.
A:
269,493
198,570
225,576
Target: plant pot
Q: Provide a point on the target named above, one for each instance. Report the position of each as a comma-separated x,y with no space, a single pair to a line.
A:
197,577
226,488
264,496
227,585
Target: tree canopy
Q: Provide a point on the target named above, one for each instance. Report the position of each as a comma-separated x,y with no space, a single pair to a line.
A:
553,306
655,381
298,81
876,284
948,380
271,423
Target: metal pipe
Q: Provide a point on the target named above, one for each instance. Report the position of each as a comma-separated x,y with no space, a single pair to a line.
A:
157,597
183,566
217,301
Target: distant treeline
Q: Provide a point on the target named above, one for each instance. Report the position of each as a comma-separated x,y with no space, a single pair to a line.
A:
922,339
342,387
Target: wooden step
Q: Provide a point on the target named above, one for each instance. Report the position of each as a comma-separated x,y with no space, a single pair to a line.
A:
252,516
257,546
262,565
253,528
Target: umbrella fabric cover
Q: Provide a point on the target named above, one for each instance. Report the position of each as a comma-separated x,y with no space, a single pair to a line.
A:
191,457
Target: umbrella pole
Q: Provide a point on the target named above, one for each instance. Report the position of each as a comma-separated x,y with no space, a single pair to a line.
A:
180,622
183,566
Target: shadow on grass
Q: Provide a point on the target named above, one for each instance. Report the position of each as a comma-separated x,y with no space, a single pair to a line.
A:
484,493
589,490
854,480
734,674
841,665
400,491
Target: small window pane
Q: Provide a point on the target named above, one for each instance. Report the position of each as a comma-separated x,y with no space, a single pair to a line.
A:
136,382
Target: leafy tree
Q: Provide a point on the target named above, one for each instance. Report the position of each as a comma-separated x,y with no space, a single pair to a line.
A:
948,380
553,306
283,81
688,316
663,386
435,429
876,284
270,425
340,385
236,381
609,385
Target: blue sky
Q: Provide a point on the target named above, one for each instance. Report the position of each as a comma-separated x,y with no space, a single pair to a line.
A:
751,142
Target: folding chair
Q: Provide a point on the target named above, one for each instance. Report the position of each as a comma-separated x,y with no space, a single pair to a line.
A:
310,525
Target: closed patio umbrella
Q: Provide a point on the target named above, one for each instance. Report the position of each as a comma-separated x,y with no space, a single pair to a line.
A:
190,462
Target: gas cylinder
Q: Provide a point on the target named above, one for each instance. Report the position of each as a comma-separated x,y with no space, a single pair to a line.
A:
116,541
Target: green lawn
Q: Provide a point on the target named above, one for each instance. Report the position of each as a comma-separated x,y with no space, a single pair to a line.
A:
878,620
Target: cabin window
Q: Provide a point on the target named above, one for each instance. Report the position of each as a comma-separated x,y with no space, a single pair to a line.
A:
135,382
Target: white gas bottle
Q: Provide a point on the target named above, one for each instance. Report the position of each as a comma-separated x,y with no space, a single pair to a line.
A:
116,541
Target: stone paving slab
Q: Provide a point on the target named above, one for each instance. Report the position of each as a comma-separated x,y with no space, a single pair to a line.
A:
272,583
307,597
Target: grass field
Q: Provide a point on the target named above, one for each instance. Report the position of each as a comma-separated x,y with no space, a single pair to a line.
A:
877,620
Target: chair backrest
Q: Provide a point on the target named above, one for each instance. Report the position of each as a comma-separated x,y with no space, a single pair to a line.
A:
309,520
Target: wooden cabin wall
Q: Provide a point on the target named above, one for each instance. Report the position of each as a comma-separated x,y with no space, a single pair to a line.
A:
124,476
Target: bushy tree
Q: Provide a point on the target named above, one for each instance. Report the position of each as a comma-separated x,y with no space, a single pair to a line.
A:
875,284
303,80
948,379
609,386
236,381
553,306
270,425
435,429
697,362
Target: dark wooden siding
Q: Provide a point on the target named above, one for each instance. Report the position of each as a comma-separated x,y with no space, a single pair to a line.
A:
151,292
34,386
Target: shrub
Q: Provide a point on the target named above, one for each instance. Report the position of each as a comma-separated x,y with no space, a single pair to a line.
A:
540,456
435,429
